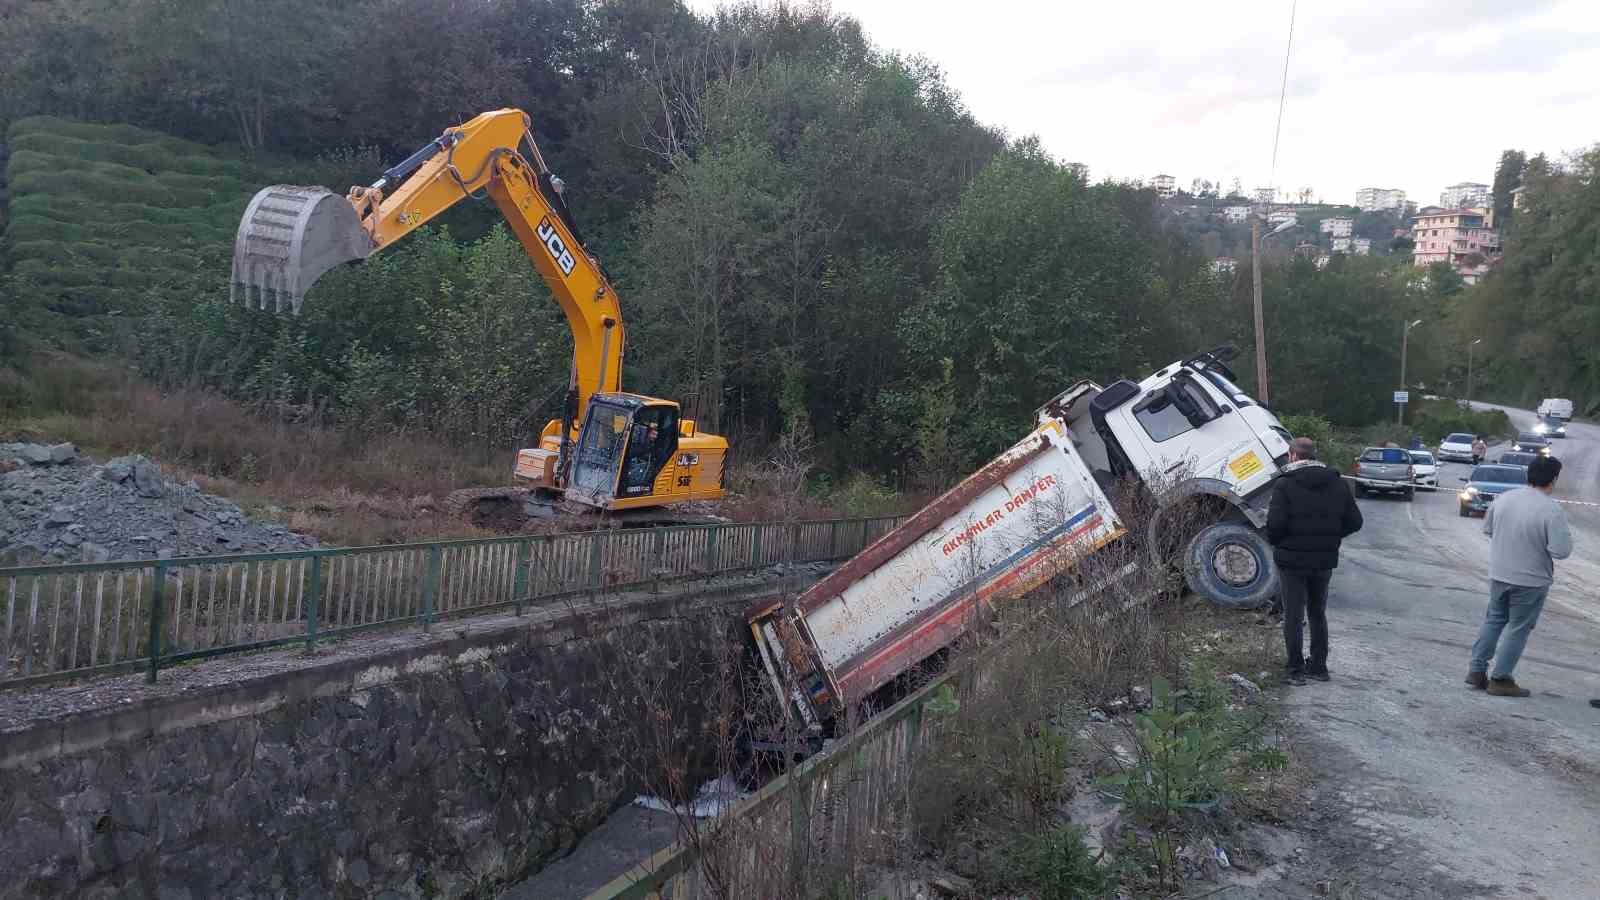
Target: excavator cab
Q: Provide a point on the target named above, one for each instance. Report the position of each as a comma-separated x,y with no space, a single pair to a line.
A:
625,450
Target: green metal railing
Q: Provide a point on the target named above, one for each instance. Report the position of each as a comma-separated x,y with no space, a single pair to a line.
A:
91,618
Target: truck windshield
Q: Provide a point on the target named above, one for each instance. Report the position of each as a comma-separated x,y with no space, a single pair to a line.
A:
1227,387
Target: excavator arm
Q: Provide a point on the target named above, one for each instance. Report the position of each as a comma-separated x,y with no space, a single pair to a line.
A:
291,236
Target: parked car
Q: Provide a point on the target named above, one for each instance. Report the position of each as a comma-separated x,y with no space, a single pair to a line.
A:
1385,470
1488,482
1550,426
1456,447
1521,458
1424,470
1528,442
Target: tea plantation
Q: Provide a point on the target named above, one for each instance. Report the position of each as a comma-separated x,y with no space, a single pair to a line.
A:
111,218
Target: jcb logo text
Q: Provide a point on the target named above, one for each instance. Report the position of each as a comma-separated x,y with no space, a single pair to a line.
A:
557,247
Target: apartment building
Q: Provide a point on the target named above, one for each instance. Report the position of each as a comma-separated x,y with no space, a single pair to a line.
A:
1237,213
1165,185
1361,246
1280,216
1223,264
1373,199
1466,195
1337,227
1464,238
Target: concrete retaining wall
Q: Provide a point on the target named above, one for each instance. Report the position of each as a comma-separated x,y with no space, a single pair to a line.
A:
438,770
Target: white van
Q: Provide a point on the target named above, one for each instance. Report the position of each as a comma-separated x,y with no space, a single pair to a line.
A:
1556,408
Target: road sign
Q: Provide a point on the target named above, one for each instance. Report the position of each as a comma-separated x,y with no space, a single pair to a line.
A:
1402,396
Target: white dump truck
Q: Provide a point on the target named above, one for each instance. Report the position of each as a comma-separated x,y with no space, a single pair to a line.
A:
1187,435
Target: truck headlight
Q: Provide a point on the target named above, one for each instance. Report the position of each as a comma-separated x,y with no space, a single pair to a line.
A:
1469,493
1541,428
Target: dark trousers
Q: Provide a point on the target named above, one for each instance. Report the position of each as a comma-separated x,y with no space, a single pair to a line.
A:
1305,594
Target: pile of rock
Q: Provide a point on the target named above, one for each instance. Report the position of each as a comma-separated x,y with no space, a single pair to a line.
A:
56,506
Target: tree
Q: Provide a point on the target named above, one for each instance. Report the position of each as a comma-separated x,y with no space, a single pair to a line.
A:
1042,280
1507,178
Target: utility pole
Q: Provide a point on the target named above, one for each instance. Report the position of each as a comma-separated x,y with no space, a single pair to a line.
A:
1261,331
1469,367
1405,334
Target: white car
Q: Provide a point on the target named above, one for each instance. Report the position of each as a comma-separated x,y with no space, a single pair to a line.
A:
1425,471
1457,447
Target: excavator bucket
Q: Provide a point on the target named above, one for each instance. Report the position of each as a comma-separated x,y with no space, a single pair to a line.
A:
288,238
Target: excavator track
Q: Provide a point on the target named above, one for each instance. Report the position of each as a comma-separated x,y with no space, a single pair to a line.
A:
515,509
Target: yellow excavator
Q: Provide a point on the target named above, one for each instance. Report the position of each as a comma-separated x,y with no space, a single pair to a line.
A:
620,455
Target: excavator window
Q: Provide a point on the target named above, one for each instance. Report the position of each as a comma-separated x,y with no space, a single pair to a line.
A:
600,448
650,448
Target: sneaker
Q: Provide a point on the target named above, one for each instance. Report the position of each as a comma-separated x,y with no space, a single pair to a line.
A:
1318,674
1506,687
1296,678
1477,680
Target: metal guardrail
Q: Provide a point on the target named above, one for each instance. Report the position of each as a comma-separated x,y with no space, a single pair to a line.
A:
67,621
843,794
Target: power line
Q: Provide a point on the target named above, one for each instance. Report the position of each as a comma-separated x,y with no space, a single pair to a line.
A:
1283,93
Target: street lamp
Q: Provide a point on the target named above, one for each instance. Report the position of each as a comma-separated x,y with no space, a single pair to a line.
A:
1255,278
1405,334
1469,367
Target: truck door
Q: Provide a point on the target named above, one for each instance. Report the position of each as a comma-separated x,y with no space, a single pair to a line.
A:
1188,429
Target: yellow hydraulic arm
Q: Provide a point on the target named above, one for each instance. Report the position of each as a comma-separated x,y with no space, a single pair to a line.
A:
291,236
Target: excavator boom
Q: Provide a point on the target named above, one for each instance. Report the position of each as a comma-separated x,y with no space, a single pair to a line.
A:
291,236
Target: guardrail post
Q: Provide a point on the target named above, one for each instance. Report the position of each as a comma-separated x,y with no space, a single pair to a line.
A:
799,824
658,554
430,585
158,591
712,537
597,561
519,581
313,603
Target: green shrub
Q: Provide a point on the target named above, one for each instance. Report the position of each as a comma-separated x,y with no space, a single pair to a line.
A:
1056,865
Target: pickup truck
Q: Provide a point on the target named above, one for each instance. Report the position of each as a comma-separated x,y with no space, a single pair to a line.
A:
1385,470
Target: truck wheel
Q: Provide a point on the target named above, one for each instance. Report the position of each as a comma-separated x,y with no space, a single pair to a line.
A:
1231,565
1410,494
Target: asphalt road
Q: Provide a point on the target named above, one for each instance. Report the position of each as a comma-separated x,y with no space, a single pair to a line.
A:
1424,788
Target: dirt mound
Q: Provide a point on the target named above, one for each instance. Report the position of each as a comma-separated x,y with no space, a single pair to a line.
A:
56,506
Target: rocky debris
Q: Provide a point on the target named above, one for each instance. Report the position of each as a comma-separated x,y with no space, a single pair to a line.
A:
56,506
1249,687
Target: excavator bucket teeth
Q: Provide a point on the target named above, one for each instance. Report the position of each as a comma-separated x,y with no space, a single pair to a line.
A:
288,238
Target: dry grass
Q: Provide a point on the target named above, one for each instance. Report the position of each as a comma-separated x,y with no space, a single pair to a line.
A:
344,489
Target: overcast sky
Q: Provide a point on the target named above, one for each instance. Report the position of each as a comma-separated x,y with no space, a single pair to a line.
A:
1382,93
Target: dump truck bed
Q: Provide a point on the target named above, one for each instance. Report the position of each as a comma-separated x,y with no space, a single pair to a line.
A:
1020,520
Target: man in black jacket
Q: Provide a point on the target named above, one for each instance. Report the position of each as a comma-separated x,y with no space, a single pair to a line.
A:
1312,512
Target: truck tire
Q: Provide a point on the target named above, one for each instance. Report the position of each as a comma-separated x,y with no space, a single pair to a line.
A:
1231,565
1410,494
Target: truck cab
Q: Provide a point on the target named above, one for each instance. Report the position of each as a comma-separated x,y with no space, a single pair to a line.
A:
1190,436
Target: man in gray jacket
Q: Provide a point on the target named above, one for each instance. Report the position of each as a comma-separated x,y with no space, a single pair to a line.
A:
1527,532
